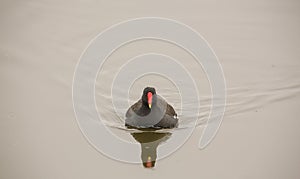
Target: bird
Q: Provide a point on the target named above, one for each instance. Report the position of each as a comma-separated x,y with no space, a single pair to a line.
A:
151,111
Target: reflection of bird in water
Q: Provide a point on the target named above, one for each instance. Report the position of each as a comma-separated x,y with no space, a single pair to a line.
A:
149,142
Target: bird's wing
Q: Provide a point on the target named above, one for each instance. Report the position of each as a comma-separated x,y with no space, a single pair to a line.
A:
170,110
134,108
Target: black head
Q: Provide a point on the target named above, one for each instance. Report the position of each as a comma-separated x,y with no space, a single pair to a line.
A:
149,89
149,96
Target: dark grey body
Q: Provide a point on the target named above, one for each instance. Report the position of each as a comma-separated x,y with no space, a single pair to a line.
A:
161,114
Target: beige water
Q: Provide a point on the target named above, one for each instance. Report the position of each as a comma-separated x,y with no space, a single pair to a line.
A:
257,43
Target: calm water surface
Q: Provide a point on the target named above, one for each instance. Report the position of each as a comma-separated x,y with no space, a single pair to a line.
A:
257,43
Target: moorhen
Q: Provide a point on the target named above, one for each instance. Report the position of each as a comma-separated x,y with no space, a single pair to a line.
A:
151,111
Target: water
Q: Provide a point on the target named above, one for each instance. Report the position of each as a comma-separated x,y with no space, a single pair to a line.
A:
240,100
257,43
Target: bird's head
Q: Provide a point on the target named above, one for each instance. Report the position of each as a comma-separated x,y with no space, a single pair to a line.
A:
149,97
